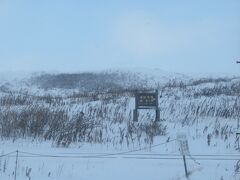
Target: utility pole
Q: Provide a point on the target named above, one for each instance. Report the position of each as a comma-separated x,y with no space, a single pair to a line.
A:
185,166
238,62
238,133
16,163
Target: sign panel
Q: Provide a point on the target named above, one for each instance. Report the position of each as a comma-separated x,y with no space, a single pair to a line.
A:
146,100
183,144
237,141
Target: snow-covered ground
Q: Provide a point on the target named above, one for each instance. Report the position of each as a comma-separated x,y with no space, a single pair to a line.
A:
112,145
100,162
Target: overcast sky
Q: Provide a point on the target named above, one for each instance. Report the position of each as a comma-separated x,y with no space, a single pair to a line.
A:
77,35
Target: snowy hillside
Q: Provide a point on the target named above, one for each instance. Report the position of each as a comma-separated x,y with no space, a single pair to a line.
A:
78,125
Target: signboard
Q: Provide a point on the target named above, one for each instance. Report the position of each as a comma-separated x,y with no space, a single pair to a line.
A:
237,141
183,144
237,134
146,100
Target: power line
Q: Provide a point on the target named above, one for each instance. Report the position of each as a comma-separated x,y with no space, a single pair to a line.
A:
96,156
158,154
3,155
63,157
128,157
176,158
131,156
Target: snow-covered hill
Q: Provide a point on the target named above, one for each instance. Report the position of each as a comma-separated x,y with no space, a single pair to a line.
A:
83,111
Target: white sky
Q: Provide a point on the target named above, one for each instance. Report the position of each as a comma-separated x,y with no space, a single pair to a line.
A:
178,36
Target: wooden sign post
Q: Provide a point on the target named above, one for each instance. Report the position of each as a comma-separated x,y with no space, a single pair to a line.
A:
184,149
